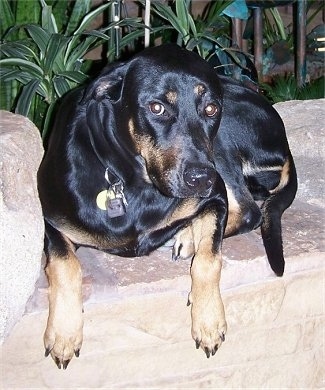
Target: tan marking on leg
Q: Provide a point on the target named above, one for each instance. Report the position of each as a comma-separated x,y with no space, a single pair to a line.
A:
79,236
234,212
186,209
208,316
63,335
284,179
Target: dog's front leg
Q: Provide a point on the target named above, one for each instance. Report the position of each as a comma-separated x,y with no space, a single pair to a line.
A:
63,334
208,316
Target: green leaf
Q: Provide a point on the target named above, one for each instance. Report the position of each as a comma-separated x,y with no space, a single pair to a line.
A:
7,75
78,52
182,14
80,8
84,23
26,97
47,120
130,38
56,44
40,36
61,86
43,90
75,76
48,20
7,17
23,65
61,13
166,13
27,11
97,34
192,25
16,49
90,17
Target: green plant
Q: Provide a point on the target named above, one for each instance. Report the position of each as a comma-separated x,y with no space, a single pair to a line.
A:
207,33
45,63
200,33
286,88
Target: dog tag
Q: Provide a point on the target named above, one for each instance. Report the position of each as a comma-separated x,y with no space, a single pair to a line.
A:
102,197
112,200
115,207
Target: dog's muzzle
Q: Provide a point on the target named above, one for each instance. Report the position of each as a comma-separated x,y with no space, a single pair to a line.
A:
199,180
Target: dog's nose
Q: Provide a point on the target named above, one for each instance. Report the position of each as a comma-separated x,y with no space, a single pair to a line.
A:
199,179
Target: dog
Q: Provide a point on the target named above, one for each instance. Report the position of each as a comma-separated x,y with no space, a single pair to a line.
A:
155,148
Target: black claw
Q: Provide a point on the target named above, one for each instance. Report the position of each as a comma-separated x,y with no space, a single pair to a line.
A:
175,256
58,363
188,303
47,352
223,337
65,364
207,352
215,349
197,343
77,353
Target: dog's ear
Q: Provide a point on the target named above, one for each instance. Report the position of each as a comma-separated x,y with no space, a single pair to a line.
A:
108,85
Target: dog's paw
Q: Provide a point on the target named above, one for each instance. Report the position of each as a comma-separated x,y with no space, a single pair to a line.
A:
62,343
184,246
209,326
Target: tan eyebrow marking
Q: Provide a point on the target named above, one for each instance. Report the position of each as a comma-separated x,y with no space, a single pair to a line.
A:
171,97
199,89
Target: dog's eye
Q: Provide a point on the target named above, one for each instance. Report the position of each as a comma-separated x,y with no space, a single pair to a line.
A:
211,110
157,108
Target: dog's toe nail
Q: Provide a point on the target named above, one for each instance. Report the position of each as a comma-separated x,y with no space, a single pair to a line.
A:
65,364
207,352
223,336
58,363
47,352
197,343
77,352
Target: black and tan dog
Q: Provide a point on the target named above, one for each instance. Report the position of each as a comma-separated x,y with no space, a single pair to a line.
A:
154,148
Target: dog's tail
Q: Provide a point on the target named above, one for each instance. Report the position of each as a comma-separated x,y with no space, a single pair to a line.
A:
274,206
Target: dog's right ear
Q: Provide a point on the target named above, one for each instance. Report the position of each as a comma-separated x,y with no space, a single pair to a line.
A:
108,85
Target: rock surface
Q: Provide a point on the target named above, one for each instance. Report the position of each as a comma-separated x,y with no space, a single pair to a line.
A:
305,124
137,325
20,215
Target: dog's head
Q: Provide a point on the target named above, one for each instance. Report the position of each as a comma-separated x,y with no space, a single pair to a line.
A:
167,104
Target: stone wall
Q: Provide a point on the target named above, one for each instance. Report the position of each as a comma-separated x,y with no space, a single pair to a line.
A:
22,232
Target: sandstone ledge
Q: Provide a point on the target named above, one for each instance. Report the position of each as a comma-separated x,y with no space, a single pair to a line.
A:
140,338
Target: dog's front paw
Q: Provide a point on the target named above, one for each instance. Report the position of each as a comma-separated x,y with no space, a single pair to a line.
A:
63,339
184,246
209,326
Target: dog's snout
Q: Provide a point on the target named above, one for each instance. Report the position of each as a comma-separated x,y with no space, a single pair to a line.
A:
199,179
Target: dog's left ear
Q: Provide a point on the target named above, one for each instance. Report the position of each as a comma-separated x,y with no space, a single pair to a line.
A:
108,85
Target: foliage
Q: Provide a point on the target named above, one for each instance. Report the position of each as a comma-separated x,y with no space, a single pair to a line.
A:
286,88
44,63
208,33
278,38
